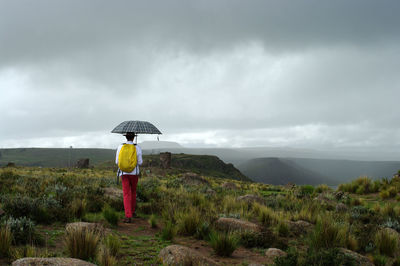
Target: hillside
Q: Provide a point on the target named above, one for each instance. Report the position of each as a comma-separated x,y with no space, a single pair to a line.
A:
279,171
53,157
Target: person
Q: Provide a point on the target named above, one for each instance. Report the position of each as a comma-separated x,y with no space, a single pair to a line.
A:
130,180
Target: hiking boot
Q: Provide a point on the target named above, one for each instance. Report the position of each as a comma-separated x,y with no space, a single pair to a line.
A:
127,220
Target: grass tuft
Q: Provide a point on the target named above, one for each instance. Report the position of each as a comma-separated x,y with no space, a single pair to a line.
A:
224,244
82,243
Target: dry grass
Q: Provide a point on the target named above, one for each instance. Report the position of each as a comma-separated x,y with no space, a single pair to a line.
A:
82,243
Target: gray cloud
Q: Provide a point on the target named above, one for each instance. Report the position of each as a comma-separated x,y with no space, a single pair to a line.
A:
303,73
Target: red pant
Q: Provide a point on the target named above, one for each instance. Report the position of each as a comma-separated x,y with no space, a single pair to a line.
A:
129,183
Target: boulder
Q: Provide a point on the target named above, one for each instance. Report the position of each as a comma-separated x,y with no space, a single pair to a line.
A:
184,256
229,185
299,227
82,163
95,227
193,179
232,224
249,198
341,207
273,253
165,160
113,193
359,259
51,261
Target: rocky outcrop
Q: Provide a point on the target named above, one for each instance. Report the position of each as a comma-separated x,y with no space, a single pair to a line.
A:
113,193
232,224
94,227
165,160
359,259
229,186
273,253
193,179
82,163
299,227
51,261
184,256
249,198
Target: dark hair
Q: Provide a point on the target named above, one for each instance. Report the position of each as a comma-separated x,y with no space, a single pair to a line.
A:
130,136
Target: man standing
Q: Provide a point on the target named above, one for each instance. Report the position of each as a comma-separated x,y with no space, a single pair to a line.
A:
130,155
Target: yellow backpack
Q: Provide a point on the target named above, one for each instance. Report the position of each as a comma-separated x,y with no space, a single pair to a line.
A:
127,158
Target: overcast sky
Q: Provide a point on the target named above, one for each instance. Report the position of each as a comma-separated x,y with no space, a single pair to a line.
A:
307,73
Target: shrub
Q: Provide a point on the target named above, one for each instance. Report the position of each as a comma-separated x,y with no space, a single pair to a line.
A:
78,207
266,216
188,222
110,215
322,188
82,243
326,234
5,242
105,258
327,257
283,228
289,260
392,192
22,229
379,260
153,221
306,190
168,232
113,244
384,194
386,243
203,231
223,244
263,239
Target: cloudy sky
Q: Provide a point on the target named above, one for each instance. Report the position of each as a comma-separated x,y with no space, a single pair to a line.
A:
307,73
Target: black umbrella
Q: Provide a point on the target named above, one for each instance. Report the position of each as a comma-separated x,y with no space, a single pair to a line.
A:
137,127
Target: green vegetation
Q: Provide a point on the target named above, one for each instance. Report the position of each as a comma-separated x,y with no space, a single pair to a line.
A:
312,224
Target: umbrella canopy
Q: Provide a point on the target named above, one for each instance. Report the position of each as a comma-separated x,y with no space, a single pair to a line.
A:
137,127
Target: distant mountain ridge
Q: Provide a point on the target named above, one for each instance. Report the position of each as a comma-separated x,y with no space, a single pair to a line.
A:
280,171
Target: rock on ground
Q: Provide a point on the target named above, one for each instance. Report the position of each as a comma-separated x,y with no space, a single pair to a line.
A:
51,261
232,224
95,227
229,185
183,256
193,179
299,227
249,198
358,258
113,193
273,253
82,163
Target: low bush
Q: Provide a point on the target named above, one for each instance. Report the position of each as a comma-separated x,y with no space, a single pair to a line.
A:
153,221
188,222
5,242
203,231
224,243
283,228
322,188
306,190
263,239
82,243
380,260
326,234
105,258
386,243
23,230
291,259
327,257
168,232
113,244
110,215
